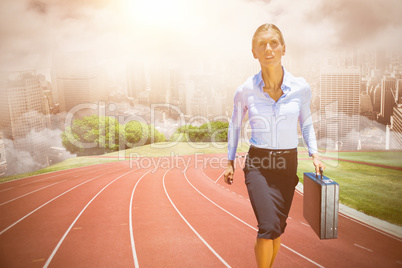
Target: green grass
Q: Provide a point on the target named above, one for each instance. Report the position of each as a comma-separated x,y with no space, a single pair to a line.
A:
388,158
151,150
181,148
372,190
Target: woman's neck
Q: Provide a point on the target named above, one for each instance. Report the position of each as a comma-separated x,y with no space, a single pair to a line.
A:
272,77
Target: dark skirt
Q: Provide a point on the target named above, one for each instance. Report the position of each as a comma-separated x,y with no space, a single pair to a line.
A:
271,178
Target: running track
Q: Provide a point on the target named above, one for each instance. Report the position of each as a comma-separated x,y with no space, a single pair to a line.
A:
181,214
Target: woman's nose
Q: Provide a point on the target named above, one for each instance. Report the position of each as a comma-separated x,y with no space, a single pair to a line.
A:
268,47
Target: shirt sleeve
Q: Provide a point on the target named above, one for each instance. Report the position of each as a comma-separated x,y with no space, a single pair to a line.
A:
306,122
239,111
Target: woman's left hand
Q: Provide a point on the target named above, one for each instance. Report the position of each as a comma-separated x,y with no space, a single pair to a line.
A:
317,164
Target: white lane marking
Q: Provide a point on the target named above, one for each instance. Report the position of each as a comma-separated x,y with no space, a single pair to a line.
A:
33,211
206,175
43,174
363,248
189,225
30,193
34,181
46,178
39,181
219,177
304,257
131,223
6,189
76,219
217,204
305,224
47,173
370,227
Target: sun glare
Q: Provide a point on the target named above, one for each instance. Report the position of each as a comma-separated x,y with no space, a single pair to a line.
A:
159,13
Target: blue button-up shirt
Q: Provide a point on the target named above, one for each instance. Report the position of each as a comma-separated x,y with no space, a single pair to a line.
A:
273,124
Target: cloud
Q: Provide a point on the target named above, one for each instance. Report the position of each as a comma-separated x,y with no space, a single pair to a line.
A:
187,31
359,22
20,161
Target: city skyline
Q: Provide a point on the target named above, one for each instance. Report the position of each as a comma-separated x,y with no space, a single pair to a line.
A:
193,55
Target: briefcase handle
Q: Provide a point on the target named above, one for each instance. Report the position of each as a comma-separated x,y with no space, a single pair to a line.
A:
321,173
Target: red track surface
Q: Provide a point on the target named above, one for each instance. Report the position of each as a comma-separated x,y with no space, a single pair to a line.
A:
114,215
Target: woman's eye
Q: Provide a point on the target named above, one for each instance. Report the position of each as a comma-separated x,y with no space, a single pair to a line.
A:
273,43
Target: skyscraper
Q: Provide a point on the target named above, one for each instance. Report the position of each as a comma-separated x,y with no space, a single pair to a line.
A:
339,108
136,79
396,128
77,80
22,113
388,93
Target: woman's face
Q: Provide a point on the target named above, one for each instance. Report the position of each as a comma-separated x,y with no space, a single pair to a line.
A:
267,48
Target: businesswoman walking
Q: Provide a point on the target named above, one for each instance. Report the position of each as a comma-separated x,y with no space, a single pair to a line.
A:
275,101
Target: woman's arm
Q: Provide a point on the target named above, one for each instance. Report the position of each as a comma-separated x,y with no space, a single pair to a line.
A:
307,128
234,131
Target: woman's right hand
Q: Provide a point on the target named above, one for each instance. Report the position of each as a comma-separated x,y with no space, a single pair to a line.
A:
229,172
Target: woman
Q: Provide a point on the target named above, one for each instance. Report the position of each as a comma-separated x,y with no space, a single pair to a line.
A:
275,101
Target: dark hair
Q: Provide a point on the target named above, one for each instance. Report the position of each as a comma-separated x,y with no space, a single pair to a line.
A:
266,27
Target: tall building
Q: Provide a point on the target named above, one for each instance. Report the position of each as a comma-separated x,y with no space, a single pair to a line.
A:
388,93
136,79
77,80
22,113
198,104
159,82
366,107
396,129
398,93
376,98
339,108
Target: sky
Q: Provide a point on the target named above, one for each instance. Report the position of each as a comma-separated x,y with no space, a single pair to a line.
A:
187,31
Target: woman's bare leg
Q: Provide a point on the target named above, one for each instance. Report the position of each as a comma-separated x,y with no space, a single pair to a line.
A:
277,245
266,251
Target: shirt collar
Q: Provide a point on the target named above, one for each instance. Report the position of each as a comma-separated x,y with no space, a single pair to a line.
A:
285,83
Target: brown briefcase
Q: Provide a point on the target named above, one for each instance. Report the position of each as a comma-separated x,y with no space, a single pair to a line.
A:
321,204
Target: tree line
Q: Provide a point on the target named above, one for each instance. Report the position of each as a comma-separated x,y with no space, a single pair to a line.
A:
95,135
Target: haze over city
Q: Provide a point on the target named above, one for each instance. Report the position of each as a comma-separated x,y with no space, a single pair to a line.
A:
193,55
187,32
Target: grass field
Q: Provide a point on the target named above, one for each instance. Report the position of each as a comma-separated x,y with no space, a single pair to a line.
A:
376,191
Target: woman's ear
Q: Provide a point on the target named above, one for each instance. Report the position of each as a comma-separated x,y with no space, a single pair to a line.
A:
255,56
284,50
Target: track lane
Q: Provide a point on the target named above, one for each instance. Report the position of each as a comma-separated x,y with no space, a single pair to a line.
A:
12,212
161,237
33,185
100,231
193,229
12,184
355,245
240,209
227,236
31,241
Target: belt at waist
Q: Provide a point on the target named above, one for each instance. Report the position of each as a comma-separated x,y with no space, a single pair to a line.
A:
273,152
